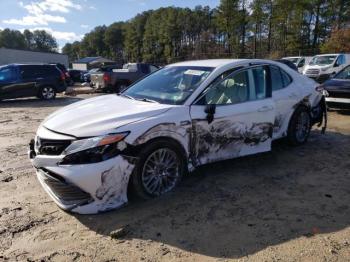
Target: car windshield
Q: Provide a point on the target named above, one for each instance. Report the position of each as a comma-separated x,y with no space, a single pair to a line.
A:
170,85
323,60
344,74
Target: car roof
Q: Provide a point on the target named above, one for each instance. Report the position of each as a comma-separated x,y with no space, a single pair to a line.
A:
209,62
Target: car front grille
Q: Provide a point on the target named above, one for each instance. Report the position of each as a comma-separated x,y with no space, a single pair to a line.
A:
312,72
51,147
66,193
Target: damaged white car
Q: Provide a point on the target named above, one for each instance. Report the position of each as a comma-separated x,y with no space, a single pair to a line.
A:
89,154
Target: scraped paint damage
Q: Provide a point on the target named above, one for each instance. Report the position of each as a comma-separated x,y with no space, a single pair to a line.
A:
112,192
225,139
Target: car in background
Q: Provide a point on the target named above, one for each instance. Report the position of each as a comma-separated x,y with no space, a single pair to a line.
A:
116,80
323,67
26,80
63,69
89,154
299,61
87,75
337,89
108,68
76,76
288,63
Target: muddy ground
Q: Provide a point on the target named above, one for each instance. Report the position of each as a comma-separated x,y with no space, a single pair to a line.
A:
291,204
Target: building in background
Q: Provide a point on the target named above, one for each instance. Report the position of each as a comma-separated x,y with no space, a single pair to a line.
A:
9,56
91,62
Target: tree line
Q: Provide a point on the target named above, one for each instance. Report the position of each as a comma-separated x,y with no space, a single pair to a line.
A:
236,28
38,40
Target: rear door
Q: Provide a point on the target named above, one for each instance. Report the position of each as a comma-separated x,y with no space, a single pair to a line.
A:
285,94
243,119
29,78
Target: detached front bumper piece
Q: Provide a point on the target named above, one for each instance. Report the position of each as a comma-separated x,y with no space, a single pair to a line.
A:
84,189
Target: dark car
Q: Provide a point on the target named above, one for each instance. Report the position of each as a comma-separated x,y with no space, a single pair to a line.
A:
76,75
117,80
288,63
25,80
337,89
63,68
87,75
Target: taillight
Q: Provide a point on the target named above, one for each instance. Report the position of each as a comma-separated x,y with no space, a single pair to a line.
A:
106,77
63,77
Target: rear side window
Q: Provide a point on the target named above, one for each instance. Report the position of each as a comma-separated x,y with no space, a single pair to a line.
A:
7,74
48,71
276,78
29,72
279,78
285,78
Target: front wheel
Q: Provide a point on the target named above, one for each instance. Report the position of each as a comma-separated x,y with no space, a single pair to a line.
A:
159,170
47,93
299,126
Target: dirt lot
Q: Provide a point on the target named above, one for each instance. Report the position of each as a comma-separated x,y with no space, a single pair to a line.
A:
291,204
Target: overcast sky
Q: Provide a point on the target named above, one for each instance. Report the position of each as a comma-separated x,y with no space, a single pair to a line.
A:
69,20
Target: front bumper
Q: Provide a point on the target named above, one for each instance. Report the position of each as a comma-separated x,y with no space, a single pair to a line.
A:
88,188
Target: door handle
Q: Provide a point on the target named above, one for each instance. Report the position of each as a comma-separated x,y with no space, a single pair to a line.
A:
292,95
265,108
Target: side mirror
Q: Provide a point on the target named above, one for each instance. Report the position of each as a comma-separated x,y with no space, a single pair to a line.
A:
210,111
336,65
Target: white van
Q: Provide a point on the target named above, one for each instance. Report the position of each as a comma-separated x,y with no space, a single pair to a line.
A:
299,61
322,67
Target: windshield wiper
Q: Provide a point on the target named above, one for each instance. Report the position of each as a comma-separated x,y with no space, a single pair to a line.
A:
147,100
130,97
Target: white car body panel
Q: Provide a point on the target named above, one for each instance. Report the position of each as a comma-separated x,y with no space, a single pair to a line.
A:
237,130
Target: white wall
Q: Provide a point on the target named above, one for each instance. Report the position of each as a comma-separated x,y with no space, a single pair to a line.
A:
78,66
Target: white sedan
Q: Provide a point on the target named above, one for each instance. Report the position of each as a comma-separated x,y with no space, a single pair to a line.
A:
88,154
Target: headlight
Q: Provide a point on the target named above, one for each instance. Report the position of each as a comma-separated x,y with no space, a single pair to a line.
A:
93,150
325,68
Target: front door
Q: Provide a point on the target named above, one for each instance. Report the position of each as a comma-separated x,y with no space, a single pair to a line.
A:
243,119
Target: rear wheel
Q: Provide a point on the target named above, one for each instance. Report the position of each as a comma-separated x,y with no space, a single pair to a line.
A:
159,169
299,126
47,93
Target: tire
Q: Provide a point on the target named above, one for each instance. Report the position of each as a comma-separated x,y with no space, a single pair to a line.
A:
299,126
47,93
146,184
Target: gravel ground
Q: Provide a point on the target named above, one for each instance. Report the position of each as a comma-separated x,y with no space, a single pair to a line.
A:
291,204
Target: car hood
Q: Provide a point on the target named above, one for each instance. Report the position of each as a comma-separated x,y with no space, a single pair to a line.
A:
101,115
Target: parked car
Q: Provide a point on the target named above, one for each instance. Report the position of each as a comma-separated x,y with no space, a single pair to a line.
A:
108,68
337,89
25,80
87,75
299,61
288,63
63,69
184,115
76,76
117,80
322,67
